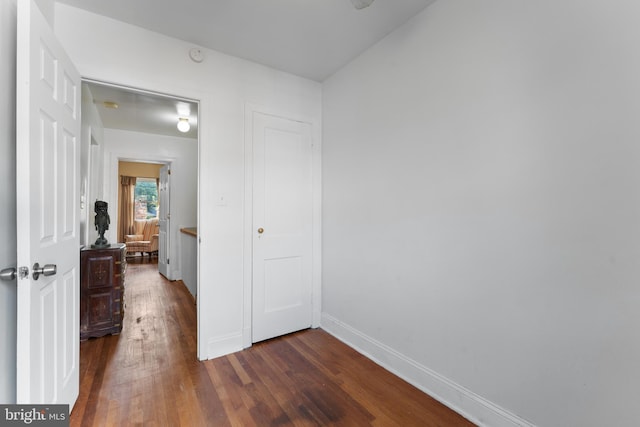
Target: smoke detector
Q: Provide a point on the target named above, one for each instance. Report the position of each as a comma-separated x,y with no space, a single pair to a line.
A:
361,4
196,54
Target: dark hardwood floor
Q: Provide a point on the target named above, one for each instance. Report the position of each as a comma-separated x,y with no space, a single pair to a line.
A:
149,376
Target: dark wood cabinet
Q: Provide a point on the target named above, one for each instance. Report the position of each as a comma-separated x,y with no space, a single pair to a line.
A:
102,290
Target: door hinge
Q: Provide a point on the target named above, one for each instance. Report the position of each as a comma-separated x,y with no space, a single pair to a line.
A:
167,260
169,172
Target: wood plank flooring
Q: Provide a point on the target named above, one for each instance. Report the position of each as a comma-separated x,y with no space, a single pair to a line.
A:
149,375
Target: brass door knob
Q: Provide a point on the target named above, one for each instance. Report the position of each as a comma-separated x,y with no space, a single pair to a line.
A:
260,230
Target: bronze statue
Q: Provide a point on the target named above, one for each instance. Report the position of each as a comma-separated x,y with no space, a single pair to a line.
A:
102,221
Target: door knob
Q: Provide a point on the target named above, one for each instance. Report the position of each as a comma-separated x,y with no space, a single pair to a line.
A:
8,274
47,270
260,230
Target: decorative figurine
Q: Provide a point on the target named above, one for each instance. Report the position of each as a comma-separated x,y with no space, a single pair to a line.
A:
102,221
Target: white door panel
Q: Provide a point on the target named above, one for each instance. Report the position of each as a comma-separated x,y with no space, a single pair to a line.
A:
282,226
163,222
48,165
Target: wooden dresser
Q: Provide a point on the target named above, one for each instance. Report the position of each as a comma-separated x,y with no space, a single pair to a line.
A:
102,290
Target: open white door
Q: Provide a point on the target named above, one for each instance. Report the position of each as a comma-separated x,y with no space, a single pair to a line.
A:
282,226
48,165
163,221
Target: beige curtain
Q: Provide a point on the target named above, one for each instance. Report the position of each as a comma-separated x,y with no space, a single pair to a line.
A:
127,206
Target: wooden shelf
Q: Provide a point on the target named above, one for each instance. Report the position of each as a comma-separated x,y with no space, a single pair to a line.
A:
192,231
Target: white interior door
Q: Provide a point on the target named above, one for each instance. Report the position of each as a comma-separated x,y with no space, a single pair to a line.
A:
282,226
48,165
164,218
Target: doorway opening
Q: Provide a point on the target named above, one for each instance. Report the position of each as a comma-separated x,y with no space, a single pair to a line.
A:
139,207
135,133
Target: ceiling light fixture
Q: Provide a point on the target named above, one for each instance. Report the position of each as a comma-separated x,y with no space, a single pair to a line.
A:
110,104
361,4
183,124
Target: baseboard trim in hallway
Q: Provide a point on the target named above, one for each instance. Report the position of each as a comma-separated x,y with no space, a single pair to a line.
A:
472,406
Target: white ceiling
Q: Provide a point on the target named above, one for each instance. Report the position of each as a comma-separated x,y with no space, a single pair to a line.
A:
309,38
141,111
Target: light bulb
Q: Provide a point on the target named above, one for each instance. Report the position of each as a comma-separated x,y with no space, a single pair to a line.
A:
183,124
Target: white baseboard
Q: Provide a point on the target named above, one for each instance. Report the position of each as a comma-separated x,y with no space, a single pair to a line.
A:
223,345
473,407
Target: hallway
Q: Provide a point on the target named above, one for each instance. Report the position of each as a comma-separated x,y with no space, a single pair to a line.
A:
140,375
149,375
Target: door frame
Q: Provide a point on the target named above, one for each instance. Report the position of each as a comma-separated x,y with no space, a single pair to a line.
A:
111,175
115,159
316,261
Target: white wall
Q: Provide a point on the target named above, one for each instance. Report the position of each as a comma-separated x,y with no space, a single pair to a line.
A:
182,153
8,254
223,84
481,208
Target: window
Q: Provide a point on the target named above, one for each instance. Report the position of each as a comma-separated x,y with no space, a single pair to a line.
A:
146,199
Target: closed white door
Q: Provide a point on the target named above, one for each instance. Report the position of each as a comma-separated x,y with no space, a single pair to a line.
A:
48,165
282,226
163,221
